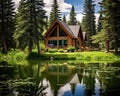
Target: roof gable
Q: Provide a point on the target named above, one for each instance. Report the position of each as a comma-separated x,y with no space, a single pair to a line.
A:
72,30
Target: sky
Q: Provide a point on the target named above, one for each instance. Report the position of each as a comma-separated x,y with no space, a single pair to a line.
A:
65,7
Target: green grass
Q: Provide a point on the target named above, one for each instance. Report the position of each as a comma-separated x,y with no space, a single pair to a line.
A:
90,57
94,56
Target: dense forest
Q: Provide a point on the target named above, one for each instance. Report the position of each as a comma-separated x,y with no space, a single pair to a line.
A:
25,27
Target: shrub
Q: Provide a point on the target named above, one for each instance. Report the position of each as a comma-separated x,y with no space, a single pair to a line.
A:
43,48
61,50
52,50
71,49
32,55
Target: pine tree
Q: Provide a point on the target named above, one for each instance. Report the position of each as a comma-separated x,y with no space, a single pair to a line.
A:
30,22
89,21
6,24
72,18
111,23
39,21
99,26
64,19
55,12
96,39
22,31
83,24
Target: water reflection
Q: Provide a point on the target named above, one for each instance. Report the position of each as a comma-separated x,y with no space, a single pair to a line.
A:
95,79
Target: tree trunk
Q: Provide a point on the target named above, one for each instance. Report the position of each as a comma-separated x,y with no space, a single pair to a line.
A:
4,46
30,46
116,46
38,47
107,45
4,43
36,30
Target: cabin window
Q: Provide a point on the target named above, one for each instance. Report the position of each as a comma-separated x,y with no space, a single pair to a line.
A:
63,43
54,33
52,43
61,32
57,43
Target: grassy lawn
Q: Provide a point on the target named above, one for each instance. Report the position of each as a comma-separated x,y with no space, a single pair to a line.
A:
91,57
94,56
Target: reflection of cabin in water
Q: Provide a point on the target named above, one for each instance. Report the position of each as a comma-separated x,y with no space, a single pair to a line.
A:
61,35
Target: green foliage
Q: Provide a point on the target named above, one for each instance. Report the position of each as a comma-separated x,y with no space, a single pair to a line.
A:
55,13
61,50
30,22
7,16
21,33
111,21
99,38
99,26
87,58
71,49
42,46
52,50
72,18
21,57
64,19
88,22
33,55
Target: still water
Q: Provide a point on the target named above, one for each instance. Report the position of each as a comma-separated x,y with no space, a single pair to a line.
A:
60,79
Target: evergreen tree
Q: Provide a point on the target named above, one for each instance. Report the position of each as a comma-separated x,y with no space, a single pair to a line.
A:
23,27
39,21
111,22
30,22
72,18
55,12
6,24
96,39
89,21
64,19
83,24
99,26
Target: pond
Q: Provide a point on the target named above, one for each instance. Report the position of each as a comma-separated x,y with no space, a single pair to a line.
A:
60,79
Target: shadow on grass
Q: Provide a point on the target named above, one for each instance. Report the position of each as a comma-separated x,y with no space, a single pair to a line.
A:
34,55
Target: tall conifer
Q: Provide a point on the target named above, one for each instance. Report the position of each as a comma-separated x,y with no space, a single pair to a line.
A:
55,12
30,22
89,21
6,24
111,22
64,19
72,17
99,26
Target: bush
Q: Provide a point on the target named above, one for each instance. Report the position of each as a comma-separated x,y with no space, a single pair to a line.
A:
43,48
33,55
52,50
71,49
61,50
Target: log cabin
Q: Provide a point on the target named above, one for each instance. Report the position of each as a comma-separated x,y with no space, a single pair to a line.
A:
61,35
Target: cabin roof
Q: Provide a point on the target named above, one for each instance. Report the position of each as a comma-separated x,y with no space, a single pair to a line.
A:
68,28
75,29
72,29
